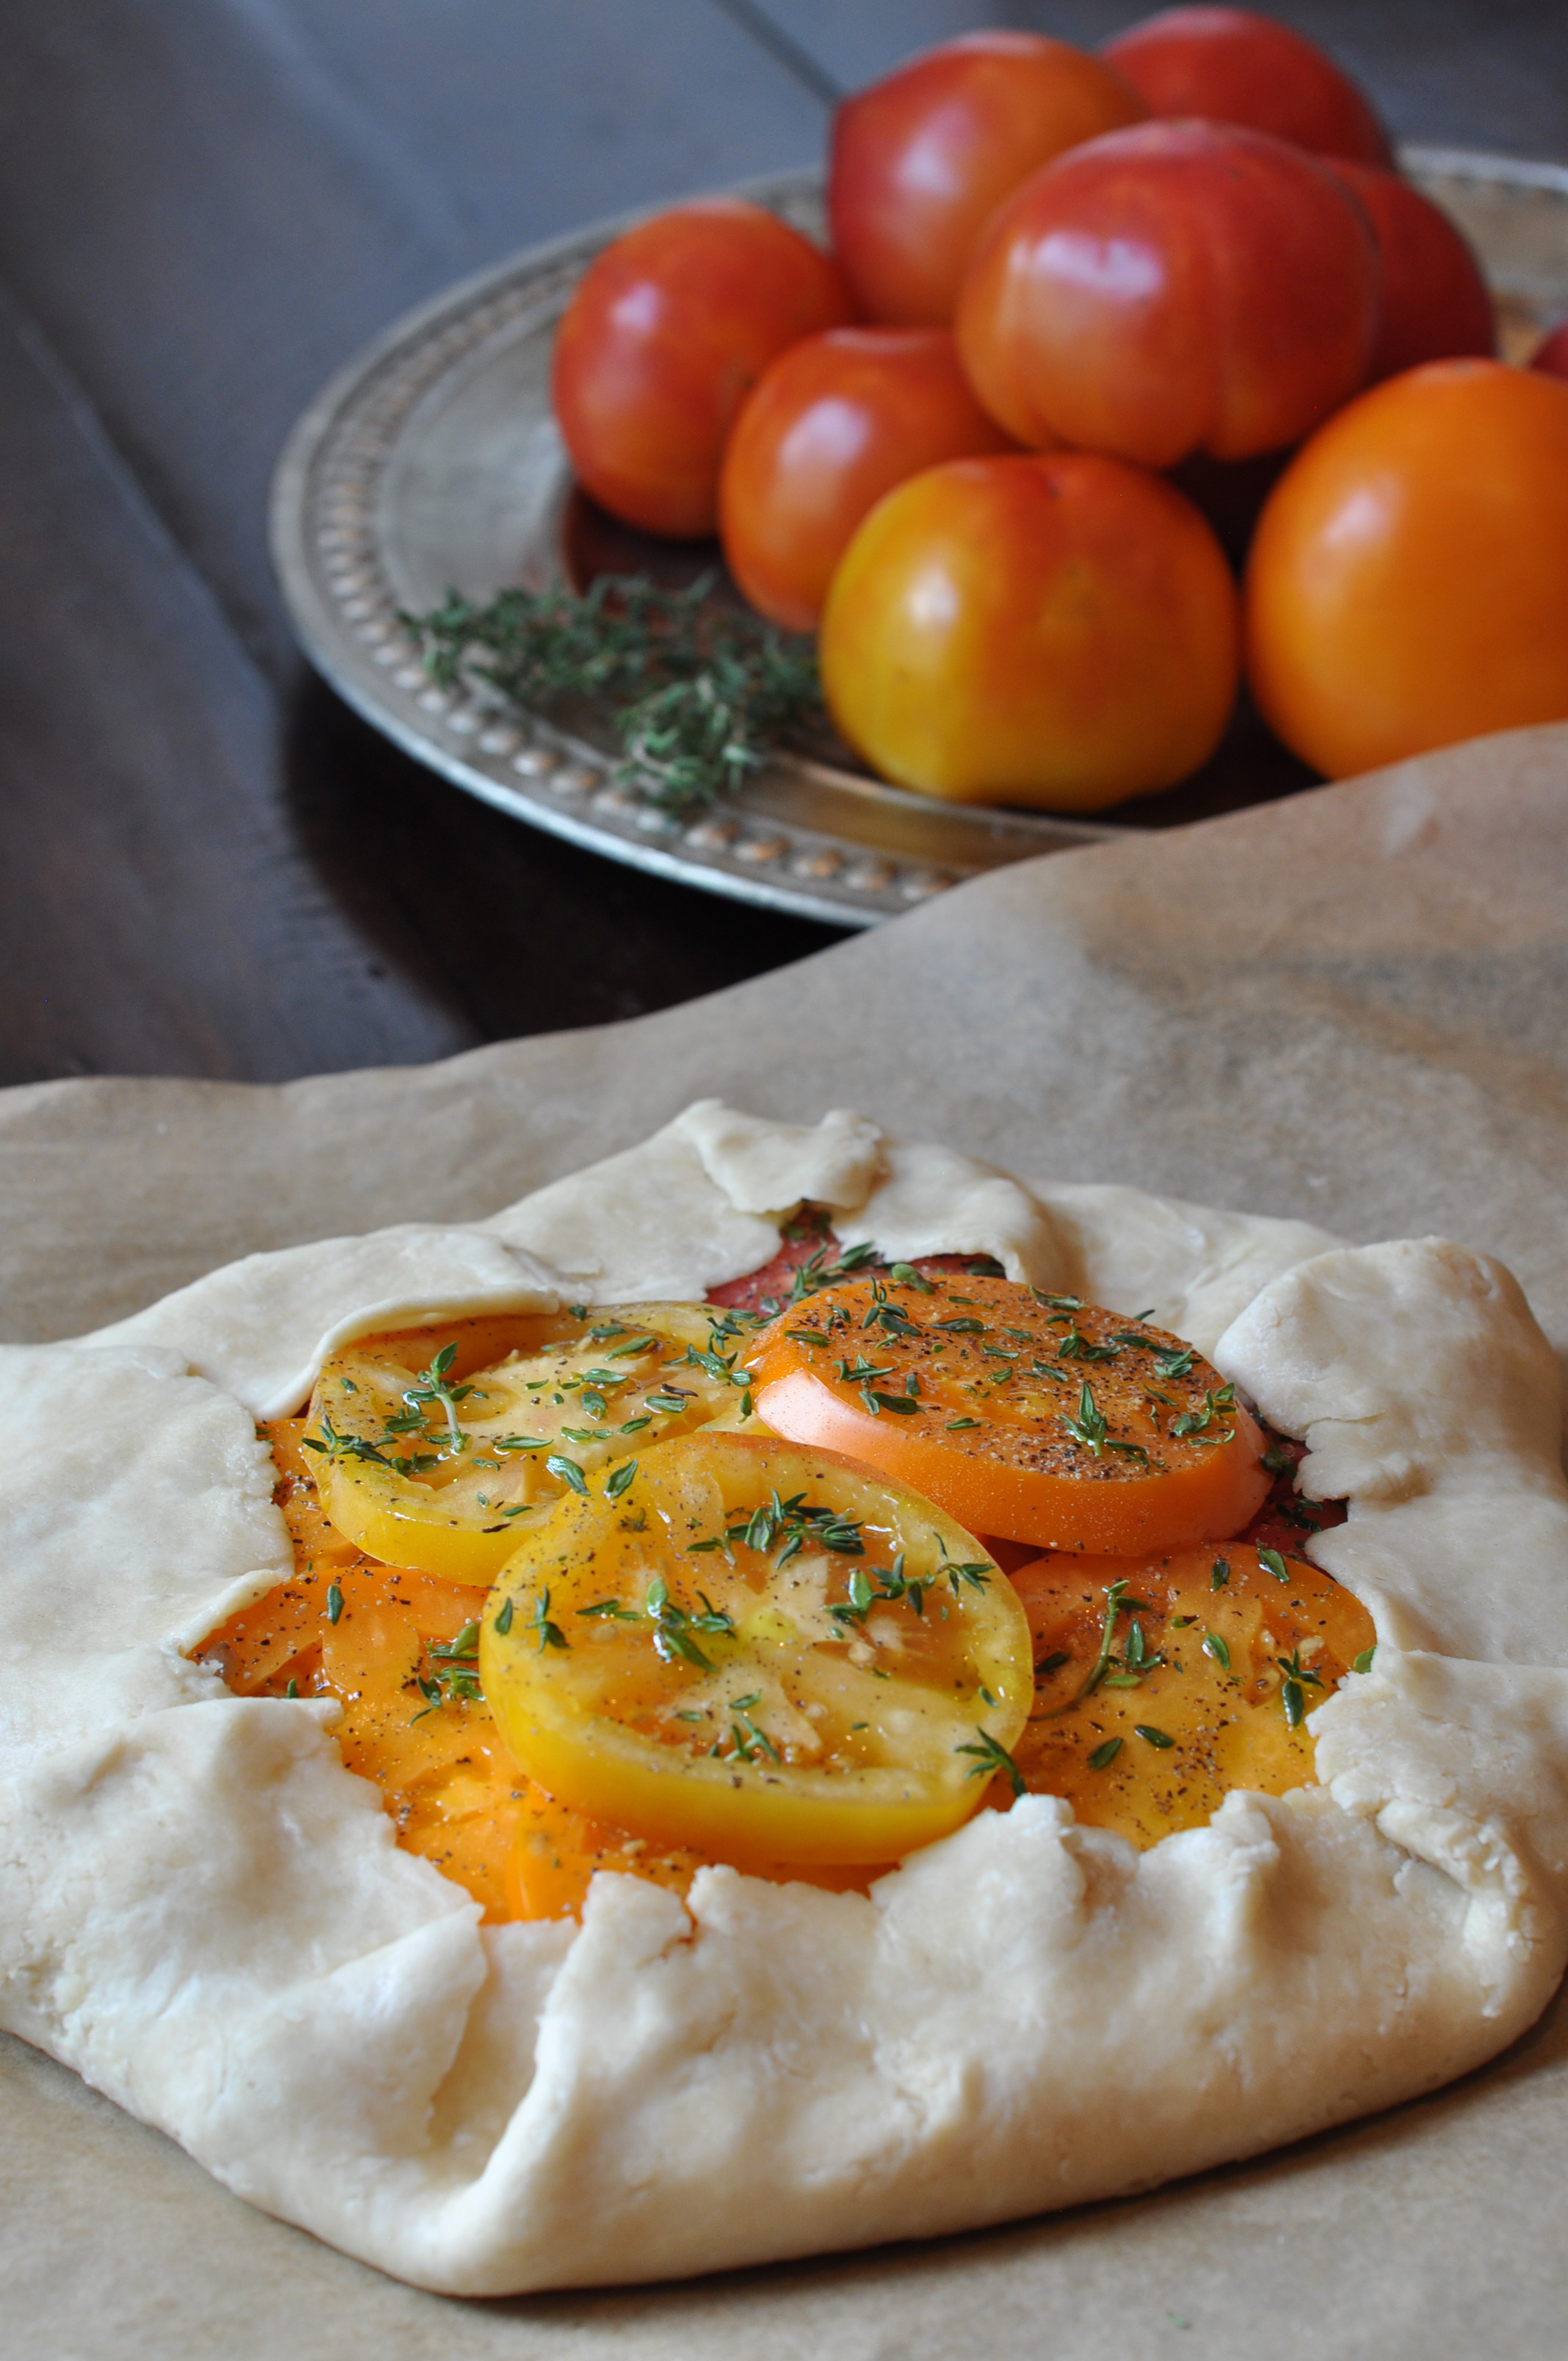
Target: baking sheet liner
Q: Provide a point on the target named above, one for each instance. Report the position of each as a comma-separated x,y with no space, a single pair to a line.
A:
1351,1007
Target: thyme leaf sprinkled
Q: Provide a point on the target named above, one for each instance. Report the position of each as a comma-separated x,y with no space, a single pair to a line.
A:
549,1635
1292,1692
1089,1426
435,1385
992,1759
673,1627
333,1445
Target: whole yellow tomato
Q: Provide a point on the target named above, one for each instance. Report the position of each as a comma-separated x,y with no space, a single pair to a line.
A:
1408,585
1054,628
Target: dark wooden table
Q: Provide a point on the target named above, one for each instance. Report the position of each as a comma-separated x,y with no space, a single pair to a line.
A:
207,866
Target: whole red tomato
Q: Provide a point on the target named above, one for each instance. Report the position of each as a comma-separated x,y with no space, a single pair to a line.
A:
921,159
832,424
1058,630
1235,66
1408,585
1434,304
669,329
1181,287
1551,356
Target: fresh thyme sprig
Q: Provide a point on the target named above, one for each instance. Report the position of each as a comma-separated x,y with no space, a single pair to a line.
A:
1089,1426
792,1522
818,1273
454,1677
698,693
434,1388
1292,1689
1138,1657
333,1445
993,1758
674,1626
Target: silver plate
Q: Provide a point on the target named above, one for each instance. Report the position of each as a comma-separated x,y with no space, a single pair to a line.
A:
432,462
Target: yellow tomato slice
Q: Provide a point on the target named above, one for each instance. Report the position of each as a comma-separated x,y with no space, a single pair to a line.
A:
757,1650
1035,1418
1165,1682
435,1446
557,1851
1194,1647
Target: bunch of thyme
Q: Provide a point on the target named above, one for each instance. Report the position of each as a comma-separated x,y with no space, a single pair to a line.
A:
697,692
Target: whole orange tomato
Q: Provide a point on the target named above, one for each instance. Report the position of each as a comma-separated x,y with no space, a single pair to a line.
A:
921,159
668,330
1434,304
1408,585
1053,629
1235,66
832,424
1181,287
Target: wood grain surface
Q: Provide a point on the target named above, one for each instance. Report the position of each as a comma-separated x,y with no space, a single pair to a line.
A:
207,867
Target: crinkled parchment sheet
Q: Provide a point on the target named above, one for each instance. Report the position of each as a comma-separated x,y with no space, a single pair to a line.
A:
1346,1010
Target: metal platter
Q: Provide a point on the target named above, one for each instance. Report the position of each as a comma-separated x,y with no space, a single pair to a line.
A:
432,463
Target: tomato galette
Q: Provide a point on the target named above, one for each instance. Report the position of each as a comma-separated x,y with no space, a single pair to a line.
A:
789,1690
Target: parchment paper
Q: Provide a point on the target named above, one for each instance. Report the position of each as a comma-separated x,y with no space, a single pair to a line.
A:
1352,1008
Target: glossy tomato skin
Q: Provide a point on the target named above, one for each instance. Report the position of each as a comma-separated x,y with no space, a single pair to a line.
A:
1434,304
1408,585
1551,356
1055,629
832,424
1235,66
670,327
1177,287
920,160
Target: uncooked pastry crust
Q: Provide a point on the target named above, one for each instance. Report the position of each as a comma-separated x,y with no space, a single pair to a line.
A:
206,1915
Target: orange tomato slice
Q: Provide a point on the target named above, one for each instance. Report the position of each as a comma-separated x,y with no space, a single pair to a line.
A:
759,1651
1032,1417
1164,1682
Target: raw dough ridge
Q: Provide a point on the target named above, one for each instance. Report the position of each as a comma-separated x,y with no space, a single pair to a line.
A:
263,1326
207,1916
1459,1474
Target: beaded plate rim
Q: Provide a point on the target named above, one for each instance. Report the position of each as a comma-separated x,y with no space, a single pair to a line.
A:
799,838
